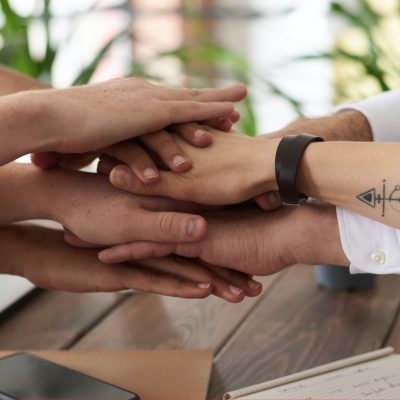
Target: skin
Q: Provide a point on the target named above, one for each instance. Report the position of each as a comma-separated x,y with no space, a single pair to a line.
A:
93,117
347,125
40,255
255,242
92,210
84,203
247,170
160,143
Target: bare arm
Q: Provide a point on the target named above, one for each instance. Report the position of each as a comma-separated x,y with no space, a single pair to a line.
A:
40,255
256,242
361,177
347,125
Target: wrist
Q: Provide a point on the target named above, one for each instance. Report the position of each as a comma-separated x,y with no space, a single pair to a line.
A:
318,231
261,161
24,122
26,194
10,253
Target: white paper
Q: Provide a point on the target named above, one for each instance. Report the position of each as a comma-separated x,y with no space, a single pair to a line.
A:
377,380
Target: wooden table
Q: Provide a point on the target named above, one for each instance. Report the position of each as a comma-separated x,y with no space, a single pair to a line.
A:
294,325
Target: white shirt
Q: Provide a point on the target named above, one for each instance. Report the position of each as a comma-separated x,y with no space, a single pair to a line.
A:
370,245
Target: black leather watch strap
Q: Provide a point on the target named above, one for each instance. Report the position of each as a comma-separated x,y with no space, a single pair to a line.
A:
288,156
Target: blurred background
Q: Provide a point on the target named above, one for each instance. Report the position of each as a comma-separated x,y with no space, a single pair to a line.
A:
298,57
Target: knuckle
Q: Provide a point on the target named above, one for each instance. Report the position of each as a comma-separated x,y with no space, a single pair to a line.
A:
195,93
152,282
167,223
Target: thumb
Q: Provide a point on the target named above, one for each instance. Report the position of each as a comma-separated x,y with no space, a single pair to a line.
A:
171,227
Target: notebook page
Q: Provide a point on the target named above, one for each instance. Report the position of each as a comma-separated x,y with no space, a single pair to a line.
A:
375,380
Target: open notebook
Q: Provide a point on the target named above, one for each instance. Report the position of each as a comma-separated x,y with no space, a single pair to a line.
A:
374,376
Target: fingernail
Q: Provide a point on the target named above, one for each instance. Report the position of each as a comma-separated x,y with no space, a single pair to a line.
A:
150,173
235,290
178,160
252,284
106,253
200,134
121,177
204,285
194,228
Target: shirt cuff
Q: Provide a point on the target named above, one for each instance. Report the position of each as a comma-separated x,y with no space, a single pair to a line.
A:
371,246
382,113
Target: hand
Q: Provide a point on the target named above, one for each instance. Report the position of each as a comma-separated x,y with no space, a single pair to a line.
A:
255,242
161,144
40,255
235,168
88,206
93,117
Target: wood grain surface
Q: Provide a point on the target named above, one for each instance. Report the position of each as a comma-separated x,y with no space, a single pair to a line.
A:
300,325
150,322
53,320
294,325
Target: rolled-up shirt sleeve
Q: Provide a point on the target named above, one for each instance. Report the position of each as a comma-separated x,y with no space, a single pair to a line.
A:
371,246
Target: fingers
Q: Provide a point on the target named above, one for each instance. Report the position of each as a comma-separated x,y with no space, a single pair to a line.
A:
227,284
165,147
178,112
269,201
122,178
192,271
164,226
67,161
194,134
145,279
106,164
198,135
137,159
238,281
136,251
232,94
45,160
224,123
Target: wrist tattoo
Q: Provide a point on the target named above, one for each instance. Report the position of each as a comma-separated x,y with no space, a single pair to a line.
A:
386,197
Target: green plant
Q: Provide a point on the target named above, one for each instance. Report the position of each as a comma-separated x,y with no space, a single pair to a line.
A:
16,53
366,55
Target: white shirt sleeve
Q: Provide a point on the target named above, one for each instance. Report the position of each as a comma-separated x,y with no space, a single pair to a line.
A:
371,246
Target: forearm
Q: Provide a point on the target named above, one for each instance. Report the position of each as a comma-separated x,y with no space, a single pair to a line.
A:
361,177
316,228
17,249
23,194
14,82
347,125
24,125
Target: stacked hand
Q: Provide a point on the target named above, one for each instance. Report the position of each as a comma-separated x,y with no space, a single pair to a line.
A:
40,255
172,159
